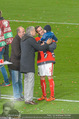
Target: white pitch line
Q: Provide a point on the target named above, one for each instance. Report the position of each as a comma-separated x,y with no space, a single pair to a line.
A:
6,95
45,22
64,100
6,98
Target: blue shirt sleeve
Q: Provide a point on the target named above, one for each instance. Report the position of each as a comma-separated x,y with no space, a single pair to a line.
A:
48,35
54,37
43,37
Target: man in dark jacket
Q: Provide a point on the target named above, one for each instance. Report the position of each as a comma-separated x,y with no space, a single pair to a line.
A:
28,48
15,67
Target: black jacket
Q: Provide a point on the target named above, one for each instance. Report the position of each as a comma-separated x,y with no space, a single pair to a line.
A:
15,53
28,48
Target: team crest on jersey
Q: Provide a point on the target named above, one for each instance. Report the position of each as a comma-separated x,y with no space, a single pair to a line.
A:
5,23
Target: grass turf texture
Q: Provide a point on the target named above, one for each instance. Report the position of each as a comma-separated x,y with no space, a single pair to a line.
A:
66,71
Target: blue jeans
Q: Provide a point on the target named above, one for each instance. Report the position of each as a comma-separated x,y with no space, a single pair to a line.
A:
2,68
17,84
6,56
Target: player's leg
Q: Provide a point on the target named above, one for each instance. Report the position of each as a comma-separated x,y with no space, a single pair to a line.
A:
50,67
41,72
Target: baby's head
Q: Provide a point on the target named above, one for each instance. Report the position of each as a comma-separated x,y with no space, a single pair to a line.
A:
47,28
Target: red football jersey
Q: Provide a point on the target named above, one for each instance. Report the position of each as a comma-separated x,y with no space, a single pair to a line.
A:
41,59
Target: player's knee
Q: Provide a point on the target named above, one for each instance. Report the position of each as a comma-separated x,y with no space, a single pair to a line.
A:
42,77
50,77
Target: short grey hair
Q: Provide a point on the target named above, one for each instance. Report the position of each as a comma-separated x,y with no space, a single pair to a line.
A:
29,29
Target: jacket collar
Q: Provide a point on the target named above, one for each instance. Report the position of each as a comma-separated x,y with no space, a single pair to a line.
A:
26,36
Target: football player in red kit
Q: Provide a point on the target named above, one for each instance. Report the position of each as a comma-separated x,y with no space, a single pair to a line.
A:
45,68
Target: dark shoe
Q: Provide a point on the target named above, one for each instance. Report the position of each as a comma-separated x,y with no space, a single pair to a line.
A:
31,102
22,97
18,99
5,84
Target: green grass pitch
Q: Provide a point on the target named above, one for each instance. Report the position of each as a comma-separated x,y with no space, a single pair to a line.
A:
65,15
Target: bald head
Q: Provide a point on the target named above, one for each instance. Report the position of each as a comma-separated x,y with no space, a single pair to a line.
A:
20,31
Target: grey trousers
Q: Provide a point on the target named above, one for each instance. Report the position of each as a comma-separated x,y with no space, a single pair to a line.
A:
28,86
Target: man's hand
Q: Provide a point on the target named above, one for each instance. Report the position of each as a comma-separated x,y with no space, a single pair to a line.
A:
49,41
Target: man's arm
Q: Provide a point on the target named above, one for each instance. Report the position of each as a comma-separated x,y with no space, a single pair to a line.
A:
16,48
37,46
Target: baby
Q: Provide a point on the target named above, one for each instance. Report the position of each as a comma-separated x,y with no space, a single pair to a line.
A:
48,35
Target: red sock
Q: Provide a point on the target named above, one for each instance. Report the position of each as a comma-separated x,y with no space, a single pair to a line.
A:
51,83
43,87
